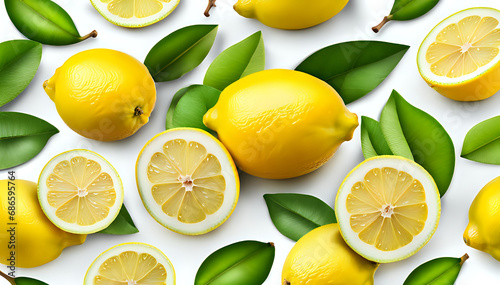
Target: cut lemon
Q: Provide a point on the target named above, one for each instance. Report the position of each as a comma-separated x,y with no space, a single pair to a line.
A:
460,57
131,263
134,13
187,180
80,192
388,207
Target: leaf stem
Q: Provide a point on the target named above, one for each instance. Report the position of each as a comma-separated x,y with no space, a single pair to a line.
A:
92,34
211,3
8,278
464,258
386,19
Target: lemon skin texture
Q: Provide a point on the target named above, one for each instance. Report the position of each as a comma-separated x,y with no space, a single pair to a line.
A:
103,94
483,230
290,14
322,257
281,123
37,240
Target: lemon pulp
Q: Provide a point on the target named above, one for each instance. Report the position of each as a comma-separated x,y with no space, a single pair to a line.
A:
387,208
129,268
80,191
188,181
134,8
462,48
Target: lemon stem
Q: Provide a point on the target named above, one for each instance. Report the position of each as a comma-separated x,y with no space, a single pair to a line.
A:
386,19
286,282
92,34
464,258
138,111
211,3
8,278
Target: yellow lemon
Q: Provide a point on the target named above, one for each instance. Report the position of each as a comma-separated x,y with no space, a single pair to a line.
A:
460,57
388,208
483,230
34,238
103,94
290,14
133,13
322,257
281,123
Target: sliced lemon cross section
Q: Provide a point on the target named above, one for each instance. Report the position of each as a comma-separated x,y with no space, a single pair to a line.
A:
80,192
388,208
460,56
187,180
134,13
131,264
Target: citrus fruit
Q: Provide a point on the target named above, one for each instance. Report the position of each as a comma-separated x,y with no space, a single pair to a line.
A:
80,191
102,94
131,263
483,232
460,57
388,208
187,180
322,257
281,123
134,13
290,14
33,237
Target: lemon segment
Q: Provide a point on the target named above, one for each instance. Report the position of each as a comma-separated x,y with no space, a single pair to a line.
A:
131,263
80,191
388,208
460,56
187,180
134,13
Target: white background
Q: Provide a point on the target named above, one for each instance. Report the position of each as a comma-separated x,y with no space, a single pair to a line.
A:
284,49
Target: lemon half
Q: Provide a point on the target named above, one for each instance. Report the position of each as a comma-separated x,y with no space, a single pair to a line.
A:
460,57
388,207
80,192
187,180
134,13
131,263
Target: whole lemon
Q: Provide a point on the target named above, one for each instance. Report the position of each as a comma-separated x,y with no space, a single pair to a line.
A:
483,230
281,123
103,94
33,238
290,14
322,257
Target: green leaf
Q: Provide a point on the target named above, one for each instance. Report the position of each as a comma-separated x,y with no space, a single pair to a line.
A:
189,105
404,10
439,271
410,132
482,142
294,215
245,262
22,137
354,68
373,141
44,21
180,52
19,61
122,225
28,281
238,61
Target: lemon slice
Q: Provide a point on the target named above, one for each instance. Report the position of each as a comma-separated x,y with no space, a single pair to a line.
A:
187,180
80,192
131,264
460,56
388,207
134,13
